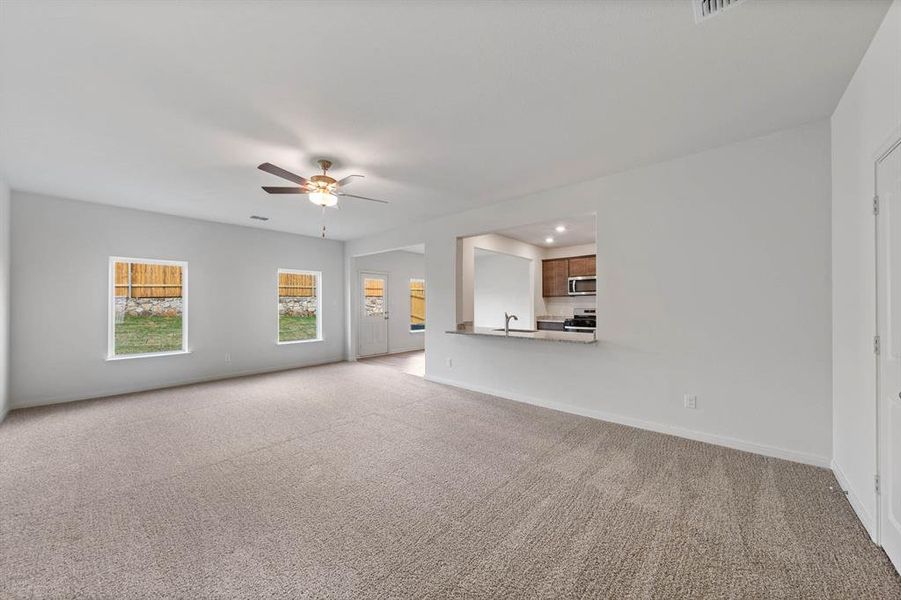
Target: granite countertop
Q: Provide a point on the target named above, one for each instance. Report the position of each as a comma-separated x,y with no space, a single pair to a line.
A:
572,337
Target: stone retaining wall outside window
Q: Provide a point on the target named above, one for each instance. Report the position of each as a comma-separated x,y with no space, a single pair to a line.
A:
140,307
297,306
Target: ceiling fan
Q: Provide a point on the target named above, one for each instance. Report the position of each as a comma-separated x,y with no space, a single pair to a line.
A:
321,190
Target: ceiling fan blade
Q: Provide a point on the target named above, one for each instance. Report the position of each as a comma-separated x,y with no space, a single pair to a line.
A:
280,172
343,195
284,190
346,180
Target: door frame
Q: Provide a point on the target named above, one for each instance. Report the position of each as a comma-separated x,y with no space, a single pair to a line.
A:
358,309
893,144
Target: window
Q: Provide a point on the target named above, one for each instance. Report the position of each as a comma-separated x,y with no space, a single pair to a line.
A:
299,306
417,305
148,307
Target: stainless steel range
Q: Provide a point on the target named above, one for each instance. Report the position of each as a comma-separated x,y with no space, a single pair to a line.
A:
584,319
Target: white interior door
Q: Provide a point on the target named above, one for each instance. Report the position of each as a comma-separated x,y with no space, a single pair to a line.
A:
373,320
888,277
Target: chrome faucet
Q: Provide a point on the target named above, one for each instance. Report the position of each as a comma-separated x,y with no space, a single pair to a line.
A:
507,322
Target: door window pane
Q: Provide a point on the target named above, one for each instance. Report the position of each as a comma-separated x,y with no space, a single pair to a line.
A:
374,296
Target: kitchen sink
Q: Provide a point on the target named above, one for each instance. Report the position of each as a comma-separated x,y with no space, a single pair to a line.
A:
516,330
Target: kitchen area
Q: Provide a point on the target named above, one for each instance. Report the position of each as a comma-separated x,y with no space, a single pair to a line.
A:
569,287
535,282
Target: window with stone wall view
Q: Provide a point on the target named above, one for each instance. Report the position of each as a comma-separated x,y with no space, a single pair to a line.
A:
299,306
148,307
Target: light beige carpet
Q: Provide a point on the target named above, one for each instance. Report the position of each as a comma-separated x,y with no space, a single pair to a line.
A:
357,481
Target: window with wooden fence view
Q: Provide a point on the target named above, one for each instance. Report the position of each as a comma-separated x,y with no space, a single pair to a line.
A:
298,306
148,307
417,304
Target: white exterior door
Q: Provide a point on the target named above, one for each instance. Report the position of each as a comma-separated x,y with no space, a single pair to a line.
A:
373,320
888,277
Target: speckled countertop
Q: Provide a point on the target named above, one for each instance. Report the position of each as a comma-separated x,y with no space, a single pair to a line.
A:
572,337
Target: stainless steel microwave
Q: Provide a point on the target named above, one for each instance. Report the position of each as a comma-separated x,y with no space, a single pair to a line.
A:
583,286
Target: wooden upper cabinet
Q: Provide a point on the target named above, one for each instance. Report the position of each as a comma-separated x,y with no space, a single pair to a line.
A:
557,271
548,271
561,279
555,275
580,266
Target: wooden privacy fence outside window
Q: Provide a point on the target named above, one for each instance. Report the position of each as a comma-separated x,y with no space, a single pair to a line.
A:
373,288
148,280
417,301
296,284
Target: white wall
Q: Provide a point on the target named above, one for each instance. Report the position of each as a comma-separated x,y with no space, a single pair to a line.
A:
4,297
401,266
502,283
717,283
867,116
60,251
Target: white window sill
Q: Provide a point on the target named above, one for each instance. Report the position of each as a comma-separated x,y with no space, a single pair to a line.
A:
417,331
146,355
280,343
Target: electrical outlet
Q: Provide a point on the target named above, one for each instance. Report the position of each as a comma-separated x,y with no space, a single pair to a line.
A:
228,357
690,401
450,363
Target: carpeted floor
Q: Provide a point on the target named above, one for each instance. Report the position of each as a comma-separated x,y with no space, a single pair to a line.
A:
353,480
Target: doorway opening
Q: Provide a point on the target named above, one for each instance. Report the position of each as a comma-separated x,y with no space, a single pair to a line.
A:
389,306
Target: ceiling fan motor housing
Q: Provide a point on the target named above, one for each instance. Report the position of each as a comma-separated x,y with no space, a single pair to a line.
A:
323,180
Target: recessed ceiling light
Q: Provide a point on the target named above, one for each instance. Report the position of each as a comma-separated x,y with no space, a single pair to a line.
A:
259,218
560,228
548,240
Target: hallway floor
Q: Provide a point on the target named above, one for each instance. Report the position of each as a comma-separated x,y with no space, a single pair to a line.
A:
412,363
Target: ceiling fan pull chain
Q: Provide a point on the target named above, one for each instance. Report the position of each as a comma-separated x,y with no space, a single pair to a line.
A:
323,222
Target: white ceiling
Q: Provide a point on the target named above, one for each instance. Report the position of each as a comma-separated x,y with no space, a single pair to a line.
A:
579,230
169,106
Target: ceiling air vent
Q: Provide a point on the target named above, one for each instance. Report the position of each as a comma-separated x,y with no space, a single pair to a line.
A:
705,9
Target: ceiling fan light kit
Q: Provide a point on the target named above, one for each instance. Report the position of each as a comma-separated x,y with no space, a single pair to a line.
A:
322,190
323,198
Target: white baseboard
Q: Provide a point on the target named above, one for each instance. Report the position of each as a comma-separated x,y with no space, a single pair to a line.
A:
699,436
390,352
866,518
123,391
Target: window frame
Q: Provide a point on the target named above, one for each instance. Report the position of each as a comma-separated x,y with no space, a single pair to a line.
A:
111,308
319,336
410,296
